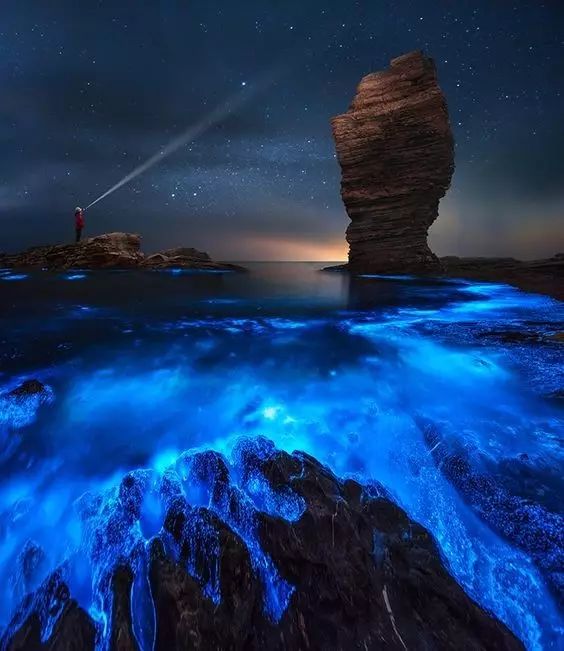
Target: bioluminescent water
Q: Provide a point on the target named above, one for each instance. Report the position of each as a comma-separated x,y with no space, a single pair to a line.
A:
147,371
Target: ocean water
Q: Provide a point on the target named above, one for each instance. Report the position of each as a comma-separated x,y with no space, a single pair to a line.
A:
144,368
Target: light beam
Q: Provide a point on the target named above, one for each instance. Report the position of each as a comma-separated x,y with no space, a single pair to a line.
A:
217,115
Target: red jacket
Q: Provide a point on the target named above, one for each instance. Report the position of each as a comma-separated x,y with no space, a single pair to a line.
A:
79,220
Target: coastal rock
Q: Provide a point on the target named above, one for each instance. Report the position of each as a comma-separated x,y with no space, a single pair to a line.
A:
19,406
28,388
396,153
545,276
346,567
186,258
529,526
50,620
111,251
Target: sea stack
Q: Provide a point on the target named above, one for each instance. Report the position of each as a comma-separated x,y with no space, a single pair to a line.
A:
396,152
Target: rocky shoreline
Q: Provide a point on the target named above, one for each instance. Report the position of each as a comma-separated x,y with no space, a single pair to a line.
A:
544,276
111,251
323,564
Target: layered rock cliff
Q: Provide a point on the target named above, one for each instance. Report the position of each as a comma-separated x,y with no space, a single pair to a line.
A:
111,251
396,152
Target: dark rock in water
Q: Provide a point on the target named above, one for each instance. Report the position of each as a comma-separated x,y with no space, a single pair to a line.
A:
359,573
186,615
122,636
186,258
28,388
538,276
543,276
357,559
396,152
50,615
526,524
110,251
23,402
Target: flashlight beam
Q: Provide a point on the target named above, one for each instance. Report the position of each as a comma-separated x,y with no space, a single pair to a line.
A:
217,115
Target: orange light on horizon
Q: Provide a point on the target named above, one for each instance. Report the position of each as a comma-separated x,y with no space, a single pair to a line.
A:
285,249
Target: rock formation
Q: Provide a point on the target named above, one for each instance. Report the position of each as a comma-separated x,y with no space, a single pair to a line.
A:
545,276
533,528
395,149
28,388
185,258
104,251
346,568
396,153
110,251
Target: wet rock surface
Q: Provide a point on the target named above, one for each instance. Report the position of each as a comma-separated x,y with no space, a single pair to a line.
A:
110,251
18,406
28,388
50,620
285,555
506,501
396,152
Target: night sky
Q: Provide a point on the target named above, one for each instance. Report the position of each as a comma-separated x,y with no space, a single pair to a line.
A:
88,90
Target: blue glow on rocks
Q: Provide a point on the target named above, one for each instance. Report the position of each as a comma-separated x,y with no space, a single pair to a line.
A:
91,466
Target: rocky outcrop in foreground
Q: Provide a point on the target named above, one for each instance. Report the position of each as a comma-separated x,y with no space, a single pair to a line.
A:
288,557
396,153
110,251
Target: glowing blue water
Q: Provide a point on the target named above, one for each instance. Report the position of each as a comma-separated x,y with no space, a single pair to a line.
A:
142,367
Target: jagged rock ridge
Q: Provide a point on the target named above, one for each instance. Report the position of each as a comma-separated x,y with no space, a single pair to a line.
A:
396,152
111,251
348,569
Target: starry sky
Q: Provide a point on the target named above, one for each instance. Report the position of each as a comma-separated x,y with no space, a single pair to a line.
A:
91,89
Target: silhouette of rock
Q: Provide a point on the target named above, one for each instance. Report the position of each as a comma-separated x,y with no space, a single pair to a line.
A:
50,620
545,276
396,153
186,258
359,573
103,251
28,388
110,251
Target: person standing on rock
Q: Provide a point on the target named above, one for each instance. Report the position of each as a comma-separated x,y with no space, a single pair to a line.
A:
78,223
